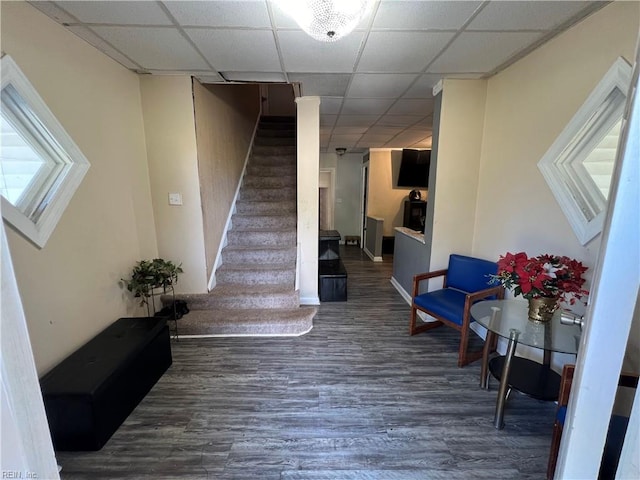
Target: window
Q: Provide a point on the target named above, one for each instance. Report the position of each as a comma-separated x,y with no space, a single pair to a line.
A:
40,165
579,165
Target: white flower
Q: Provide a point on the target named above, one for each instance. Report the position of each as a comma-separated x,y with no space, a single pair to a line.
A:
550,270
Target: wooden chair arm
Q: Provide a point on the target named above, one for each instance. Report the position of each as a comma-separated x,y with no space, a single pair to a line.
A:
424,276
487,292
565,384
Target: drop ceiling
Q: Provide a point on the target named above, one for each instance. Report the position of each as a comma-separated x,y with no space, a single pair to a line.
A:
375,84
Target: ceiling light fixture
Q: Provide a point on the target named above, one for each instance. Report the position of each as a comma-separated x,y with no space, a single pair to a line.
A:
341,151
327,20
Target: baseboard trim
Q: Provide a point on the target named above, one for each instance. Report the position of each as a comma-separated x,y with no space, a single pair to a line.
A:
310,300
407,298
230,335
371,255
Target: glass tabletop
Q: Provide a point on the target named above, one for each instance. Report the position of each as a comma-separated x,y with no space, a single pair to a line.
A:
503,316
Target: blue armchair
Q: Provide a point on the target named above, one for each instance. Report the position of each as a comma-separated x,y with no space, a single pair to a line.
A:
466,281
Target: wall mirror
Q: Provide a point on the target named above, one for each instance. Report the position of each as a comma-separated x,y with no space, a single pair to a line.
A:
40,165
579,164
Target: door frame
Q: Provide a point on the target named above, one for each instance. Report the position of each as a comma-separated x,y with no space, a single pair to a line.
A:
364,195
614,298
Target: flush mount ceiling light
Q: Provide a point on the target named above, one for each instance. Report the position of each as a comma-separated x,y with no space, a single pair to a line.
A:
327,20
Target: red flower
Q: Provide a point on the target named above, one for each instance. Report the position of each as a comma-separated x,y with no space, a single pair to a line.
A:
542,276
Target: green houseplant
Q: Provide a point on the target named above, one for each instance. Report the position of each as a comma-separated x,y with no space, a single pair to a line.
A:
148,276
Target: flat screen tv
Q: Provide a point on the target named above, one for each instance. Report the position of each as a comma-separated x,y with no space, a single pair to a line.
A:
414,168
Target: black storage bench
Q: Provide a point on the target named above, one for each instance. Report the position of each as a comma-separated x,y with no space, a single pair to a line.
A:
332,276
90,394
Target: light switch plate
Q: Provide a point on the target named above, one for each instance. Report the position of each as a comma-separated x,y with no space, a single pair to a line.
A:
175,199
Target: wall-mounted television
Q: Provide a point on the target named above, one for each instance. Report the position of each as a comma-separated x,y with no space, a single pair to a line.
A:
414,168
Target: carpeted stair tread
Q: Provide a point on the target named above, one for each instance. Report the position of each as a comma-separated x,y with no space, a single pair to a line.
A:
247,322
257,267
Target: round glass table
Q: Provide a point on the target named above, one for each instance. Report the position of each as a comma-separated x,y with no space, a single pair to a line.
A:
509,319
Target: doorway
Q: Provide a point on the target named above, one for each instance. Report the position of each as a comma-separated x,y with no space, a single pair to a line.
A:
326,217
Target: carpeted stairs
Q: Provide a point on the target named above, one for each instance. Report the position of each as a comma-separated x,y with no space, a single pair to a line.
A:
255,284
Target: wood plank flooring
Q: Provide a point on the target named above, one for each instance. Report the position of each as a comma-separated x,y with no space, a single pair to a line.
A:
356,398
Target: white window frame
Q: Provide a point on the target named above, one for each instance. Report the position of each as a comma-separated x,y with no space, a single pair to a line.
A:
561,166
38,223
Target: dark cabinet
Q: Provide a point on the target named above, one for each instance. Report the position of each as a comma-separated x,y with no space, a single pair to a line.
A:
415,212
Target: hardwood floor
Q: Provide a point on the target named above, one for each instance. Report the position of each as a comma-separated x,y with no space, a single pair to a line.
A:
356,398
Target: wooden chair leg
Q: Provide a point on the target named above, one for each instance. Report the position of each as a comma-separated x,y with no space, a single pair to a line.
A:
414,329
553,452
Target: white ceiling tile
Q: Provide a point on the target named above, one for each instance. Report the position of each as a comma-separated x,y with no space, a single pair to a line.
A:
401,51
382,85
388,131
118,13
324,139
55,12
510,15
328,120
425,122
322,84
330,105
345,139
268,77
349,130
398,120
412,107
376,138
371,143
356,120
301,53
409,137
482,51
87,34
209,78
423,87
154,47
424,143
422,15
237,50
363,106
251,14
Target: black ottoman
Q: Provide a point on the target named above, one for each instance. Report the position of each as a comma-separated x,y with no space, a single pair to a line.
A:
90,394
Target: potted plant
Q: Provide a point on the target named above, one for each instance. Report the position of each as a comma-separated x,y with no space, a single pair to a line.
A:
543,280
149,276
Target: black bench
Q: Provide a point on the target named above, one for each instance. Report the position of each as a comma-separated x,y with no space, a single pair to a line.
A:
90,394
332,278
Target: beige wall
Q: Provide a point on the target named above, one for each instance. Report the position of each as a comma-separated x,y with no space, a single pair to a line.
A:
528,105
385,199
225,117
458,165
70,287
167,105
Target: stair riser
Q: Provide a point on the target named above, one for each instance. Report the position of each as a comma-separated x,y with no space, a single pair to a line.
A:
273,277
267,194
282,300
274,150
242,222
247,239
276,132
271,160
275,141
266,208
269,182
280,256
271,170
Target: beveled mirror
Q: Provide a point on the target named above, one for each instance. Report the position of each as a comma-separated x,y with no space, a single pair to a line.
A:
579,164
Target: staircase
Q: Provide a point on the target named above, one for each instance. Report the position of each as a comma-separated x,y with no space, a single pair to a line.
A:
255,291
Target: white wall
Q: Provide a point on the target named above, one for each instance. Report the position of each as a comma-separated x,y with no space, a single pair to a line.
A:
308,141
348,180
167,105
70,288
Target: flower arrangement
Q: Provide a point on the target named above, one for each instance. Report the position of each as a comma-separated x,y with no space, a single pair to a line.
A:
544,276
